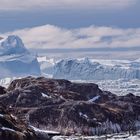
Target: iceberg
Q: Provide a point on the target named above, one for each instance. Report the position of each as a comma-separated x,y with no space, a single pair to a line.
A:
86,69
16,60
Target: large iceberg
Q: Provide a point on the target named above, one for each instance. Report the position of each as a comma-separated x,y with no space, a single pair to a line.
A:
86,69
15,59
12,45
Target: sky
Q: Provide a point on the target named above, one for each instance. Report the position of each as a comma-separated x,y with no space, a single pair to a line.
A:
81,25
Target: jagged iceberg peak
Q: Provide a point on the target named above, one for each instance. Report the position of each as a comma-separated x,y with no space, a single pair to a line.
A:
12,54
12,45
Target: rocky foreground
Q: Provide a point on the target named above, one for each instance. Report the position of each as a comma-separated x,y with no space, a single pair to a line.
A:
64,107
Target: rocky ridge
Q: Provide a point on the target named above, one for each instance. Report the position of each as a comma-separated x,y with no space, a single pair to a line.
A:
71,108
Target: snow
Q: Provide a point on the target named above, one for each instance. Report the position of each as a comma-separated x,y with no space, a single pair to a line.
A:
83,115
94,99
45,95
1,115
43,131
5,128
27,91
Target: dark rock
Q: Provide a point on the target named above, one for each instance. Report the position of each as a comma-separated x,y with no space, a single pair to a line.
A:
71,108
2,90
12,128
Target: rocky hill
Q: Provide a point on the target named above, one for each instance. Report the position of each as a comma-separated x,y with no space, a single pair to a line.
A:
71,108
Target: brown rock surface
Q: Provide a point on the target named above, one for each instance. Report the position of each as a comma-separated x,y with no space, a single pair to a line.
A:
71,108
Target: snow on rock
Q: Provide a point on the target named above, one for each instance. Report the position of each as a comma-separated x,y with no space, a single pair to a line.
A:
8,129
94,99
83,115
88,69
1,115
15,60
45,95
43,131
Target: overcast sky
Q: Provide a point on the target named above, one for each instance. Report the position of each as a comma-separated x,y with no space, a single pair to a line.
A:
17,14
60,24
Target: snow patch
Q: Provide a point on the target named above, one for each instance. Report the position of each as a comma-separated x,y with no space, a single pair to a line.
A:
43,131
45,95
94,98
8,129
83,115
1,115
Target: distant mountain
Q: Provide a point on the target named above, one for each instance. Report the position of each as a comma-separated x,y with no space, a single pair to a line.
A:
15,59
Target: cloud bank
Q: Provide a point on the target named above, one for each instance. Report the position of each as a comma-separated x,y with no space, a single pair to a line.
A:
62,4
53,37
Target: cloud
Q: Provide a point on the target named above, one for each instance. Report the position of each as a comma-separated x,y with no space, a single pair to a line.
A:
53,37
62,4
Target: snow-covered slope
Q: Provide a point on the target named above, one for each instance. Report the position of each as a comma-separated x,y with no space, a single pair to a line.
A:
15,60
90,69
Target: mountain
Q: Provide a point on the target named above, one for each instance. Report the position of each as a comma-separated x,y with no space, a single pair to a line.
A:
15,59
88,69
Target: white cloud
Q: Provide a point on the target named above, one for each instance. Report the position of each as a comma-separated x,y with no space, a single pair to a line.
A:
49,36
49,4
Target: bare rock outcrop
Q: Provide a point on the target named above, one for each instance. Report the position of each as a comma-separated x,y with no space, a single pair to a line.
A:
71,108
